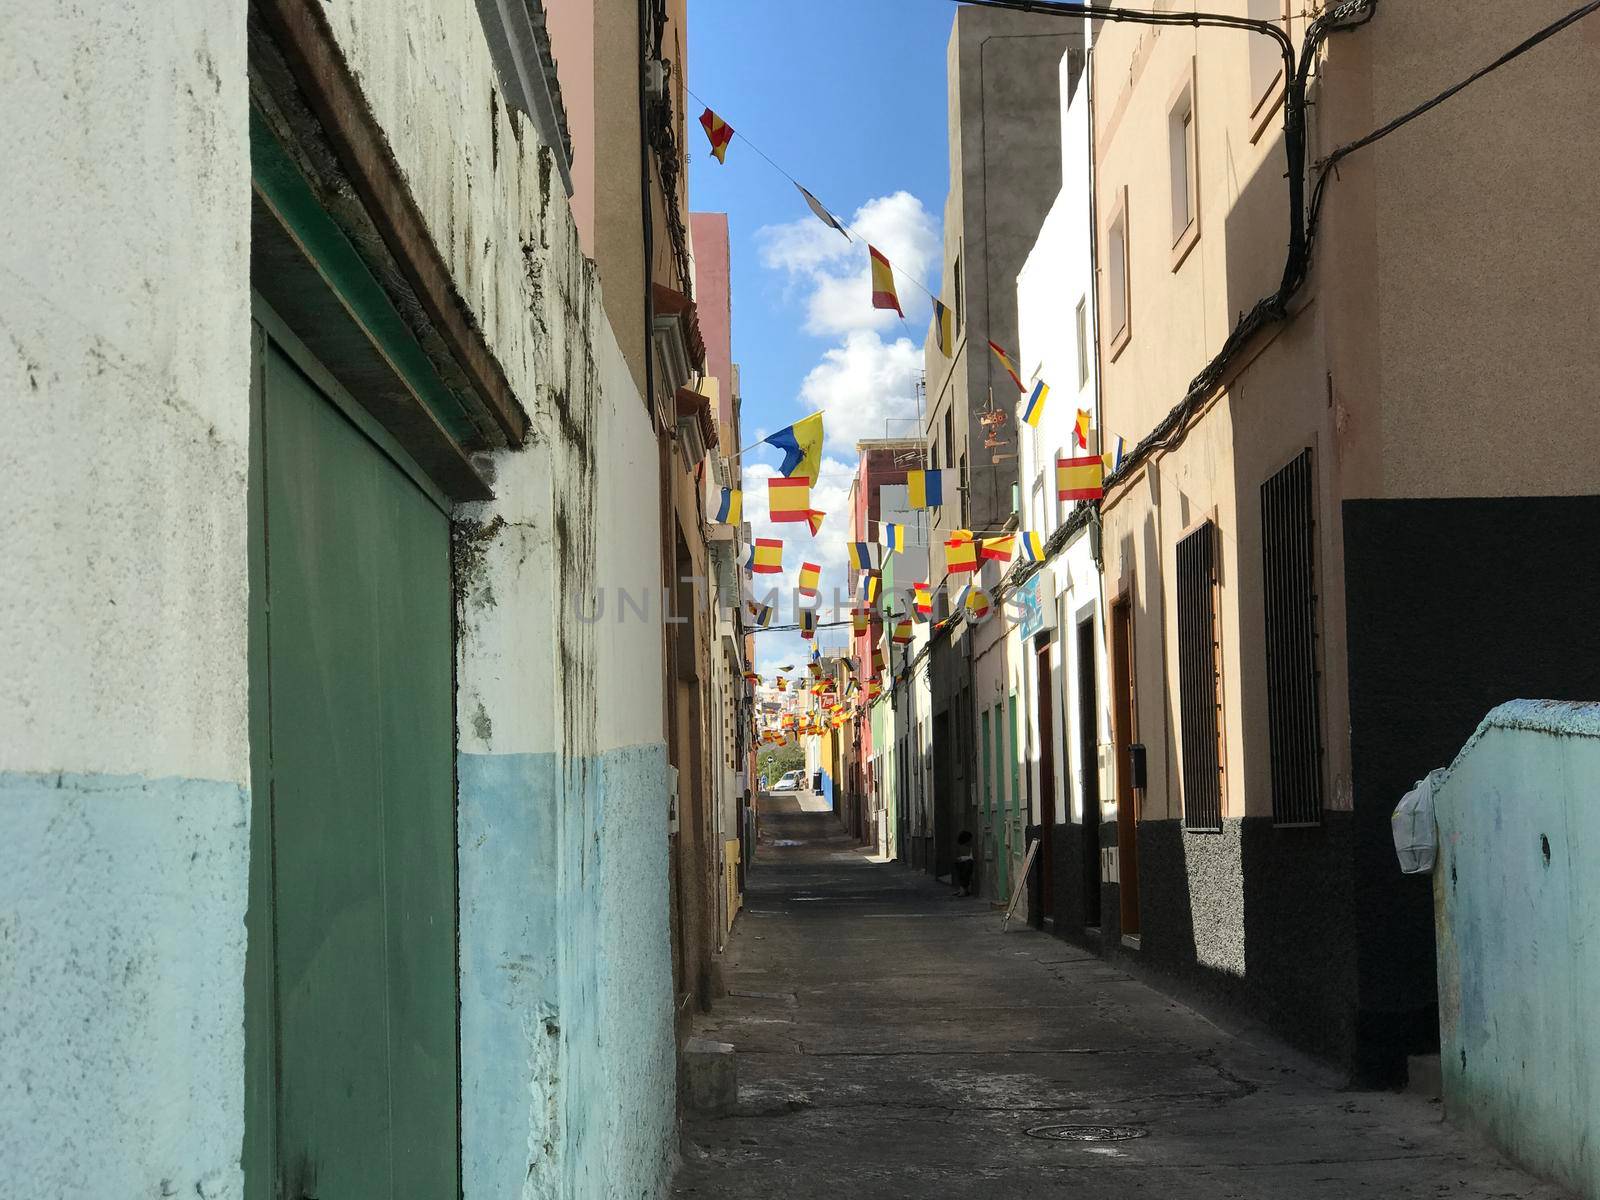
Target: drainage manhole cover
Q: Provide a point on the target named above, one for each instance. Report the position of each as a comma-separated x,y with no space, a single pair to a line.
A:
1087,1133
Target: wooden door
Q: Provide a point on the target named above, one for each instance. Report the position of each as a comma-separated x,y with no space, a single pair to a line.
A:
352,994
1125,730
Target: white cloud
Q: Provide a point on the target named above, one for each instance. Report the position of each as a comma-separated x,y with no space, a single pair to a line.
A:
860,385
836,274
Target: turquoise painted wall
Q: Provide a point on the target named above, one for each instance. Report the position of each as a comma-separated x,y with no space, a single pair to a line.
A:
567,1050
1517,901
122,943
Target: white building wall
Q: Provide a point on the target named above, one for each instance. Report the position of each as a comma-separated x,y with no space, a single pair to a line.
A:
1057,276
124,764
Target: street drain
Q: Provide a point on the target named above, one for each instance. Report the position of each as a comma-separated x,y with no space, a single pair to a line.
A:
1087,1133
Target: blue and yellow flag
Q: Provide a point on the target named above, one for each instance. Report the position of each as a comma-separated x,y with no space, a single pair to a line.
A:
943,330
926,488
894,538
863,555
1035,406
801,444
1032,546
730,507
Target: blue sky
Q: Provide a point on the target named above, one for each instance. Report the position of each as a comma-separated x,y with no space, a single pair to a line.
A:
849,98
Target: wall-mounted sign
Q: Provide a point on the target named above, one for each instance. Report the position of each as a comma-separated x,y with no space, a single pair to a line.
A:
1033,613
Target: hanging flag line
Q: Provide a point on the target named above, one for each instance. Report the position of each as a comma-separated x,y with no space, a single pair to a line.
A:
850,233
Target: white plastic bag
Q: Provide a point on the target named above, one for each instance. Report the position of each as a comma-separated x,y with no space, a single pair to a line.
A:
1416,837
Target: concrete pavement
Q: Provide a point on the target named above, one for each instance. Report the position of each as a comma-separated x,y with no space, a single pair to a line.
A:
892,1042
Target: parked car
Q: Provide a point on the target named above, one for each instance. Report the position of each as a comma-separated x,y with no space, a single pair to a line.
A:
789,781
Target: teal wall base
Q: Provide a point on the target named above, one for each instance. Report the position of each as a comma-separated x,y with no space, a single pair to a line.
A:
568,1057
122,941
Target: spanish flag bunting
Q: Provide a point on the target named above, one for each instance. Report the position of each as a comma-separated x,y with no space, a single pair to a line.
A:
977,604
822,214
960,554
783,684
925,488
790,720
801,444
810,575
788,499
893,538
767,556
781,739
730,507
863,555
1032,546
922,595
860,622
751,677
1034,410
720,133
883,294
1080,429
814,520
999,548
874,689
1079,478
880,660
902,631
808,623
1011,370
943,330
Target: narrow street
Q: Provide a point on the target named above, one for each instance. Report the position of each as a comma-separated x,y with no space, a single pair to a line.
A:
891,1041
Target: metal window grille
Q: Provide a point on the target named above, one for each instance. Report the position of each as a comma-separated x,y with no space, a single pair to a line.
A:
1199,680
1288,540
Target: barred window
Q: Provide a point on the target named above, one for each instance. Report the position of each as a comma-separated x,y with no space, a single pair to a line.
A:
1199,680
1294,726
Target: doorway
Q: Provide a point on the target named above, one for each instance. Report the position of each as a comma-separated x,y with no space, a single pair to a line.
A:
1088,758
1124,729
1047,776
351,987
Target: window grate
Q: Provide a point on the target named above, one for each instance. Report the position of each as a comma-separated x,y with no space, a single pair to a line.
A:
1199,680
1288,540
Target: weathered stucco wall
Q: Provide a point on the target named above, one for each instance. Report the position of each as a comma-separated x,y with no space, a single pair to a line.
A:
1515,904
124,382
567,1054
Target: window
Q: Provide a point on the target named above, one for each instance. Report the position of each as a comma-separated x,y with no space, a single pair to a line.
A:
1266,56
1183,170
1083,342
955,294
949,436
1199,680
1117,309
1288,540
961,483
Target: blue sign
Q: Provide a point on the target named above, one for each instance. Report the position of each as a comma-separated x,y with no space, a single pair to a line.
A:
1030,610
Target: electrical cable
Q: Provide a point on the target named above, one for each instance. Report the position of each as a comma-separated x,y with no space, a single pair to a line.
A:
1326,165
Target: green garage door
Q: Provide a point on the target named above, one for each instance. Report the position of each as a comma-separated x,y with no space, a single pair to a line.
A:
352,995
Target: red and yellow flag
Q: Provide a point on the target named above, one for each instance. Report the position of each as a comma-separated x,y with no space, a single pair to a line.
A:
922,595
1011,370
766,557
999,548
720,133
883,293
1079,478
810,576
902,631
814,520
1080,429
788,499
960,554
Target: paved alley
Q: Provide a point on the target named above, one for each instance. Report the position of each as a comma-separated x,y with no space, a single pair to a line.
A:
893,1042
